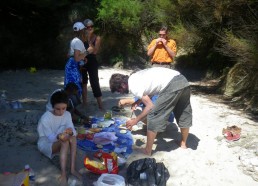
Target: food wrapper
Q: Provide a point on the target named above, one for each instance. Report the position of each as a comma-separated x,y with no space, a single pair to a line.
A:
107,164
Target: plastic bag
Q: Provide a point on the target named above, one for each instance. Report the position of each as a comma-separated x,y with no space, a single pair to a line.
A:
155,174
110,180
104,138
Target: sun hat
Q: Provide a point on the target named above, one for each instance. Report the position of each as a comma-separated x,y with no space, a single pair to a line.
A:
78,26
88,22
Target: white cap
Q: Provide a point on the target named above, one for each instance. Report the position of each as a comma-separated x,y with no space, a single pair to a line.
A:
78,26
27,166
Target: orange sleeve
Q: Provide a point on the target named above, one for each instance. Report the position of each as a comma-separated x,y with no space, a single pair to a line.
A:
153,42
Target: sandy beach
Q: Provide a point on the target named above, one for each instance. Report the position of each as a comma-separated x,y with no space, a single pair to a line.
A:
209,161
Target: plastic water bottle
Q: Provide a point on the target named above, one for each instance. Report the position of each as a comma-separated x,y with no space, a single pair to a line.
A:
31,174
109,165
143,176
3,101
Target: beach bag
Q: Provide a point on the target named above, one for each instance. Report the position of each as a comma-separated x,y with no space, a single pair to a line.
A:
146,172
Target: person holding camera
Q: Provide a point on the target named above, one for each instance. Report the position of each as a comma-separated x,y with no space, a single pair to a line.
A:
162,50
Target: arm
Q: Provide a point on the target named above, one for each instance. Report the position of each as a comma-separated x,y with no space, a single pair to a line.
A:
97,45
169,50
148,107
44,130
125,101
153,46
78,56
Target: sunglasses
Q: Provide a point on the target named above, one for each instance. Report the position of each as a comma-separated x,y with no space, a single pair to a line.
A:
162,34
89,26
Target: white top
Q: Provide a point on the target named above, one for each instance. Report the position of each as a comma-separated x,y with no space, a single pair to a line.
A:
77,44
150,81
51,125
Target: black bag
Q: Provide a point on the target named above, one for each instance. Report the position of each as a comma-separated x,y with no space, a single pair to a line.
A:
156,173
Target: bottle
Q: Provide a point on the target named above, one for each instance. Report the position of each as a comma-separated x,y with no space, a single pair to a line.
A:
3,101
109,165
108,115
31,174
143,176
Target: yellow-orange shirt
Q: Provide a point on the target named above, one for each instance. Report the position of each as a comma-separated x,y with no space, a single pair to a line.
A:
160,53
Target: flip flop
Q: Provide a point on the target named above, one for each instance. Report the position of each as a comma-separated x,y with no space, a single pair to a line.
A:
117,109
232,137
233,129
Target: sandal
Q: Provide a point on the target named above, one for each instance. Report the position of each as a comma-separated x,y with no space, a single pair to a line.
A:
117,109
232,137
233,129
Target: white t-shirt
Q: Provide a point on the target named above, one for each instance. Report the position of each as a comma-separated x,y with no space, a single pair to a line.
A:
77,44
150,81
51,124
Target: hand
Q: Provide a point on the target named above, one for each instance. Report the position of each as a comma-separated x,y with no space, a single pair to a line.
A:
63,137
85,60
134,105
122,103
159,41
69,131
84,119
164,41
90,49
130,123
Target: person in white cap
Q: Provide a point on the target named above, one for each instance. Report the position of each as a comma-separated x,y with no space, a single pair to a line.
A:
90,69
77,54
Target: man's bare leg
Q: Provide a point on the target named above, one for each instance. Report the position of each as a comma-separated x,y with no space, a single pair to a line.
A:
184,134
150,140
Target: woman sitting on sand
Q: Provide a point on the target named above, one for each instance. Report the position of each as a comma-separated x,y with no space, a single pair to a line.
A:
57,134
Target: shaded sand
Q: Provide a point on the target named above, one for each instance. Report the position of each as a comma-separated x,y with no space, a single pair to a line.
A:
209,160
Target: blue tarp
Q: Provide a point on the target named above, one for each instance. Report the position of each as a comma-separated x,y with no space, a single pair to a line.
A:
124,142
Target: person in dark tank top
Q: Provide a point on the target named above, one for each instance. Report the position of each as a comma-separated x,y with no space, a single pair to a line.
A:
90,69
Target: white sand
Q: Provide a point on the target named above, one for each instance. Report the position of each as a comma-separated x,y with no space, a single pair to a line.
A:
209,160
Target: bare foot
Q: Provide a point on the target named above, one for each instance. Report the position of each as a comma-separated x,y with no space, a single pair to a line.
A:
77,174
181,144
62,181
144,151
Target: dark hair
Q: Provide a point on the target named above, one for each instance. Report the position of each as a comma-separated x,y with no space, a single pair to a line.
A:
116,80
164,28
59,97
71,87
80,34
